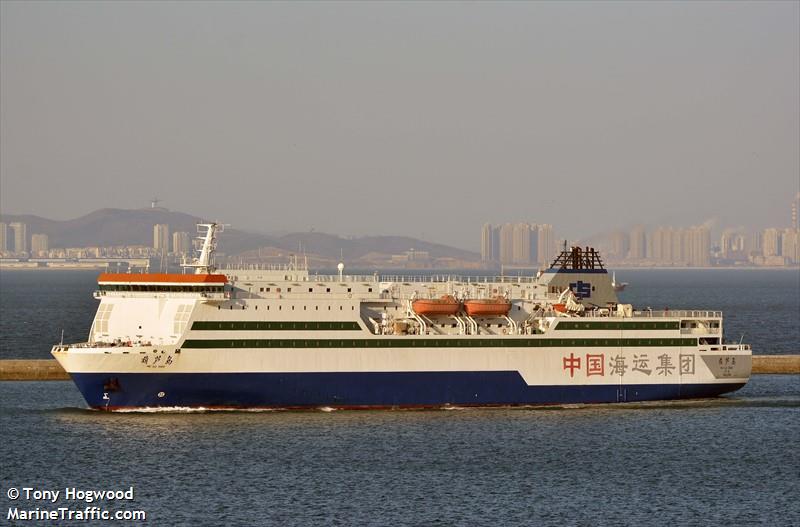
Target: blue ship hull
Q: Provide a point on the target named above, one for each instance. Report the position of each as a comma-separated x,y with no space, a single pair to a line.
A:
360,390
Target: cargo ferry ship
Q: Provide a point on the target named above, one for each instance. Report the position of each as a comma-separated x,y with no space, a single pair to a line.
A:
287,338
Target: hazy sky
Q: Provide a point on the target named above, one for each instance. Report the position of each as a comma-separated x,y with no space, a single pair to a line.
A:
425,119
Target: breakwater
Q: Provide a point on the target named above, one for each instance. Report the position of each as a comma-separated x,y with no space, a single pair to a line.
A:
776,364
50,370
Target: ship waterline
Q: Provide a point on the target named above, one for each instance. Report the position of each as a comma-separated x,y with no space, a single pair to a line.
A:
283,338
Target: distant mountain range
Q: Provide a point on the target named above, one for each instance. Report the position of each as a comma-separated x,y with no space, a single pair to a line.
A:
109,227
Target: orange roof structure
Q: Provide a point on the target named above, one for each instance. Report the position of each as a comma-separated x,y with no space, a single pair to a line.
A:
161,278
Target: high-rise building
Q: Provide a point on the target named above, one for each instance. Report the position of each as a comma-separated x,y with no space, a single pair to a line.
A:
697,246
620,245
40,244
726,242
661,245
546,244
517,243
790,245
732,245
20,237
771,242
533,258
490,243
521,251
161,237
753,243
181,243
638,244
506,243
3,237
679,255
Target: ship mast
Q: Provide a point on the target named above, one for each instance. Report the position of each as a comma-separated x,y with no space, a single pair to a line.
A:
203,264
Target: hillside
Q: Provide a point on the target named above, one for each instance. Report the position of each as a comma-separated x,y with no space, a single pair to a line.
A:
108,227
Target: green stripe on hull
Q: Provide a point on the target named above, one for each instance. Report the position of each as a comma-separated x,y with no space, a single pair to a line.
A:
436,343
273,326
617,325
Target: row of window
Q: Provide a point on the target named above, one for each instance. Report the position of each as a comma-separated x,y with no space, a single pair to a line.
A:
273,326
280,307
617,325
163,288
310,289
435,343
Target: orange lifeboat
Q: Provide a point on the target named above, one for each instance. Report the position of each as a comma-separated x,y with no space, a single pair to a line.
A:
446,305
492,307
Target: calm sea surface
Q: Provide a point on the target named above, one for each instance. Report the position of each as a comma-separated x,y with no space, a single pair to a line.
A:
733,460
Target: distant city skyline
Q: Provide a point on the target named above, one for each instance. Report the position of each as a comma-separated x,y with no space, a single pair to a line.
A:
511,245
790,213
421,119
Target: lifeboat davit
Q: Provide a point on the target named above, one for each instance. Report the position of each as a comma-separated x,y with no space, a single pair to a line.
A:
483,307
446,305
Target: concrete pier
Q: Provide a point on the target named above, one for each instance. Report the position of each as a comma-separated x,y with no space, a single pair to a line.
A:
50,370
776,364
32,370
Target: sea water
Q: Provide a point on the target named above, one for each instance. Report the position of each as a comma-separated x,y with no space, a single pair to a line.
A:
732,460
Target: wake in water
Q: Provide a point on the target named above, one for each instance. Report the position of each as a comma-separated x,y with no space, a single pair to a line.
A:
773,401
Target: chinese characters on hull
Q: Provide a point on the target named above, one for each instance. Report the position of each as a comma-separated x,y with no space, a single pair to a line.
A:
157,361
618,365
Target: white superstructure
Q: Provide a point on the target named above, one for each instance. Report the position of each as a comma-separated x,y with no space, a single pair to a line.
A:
285,337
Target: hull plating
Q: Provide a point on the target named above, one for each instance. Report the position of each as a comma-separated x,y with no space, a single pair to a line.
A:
361,390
